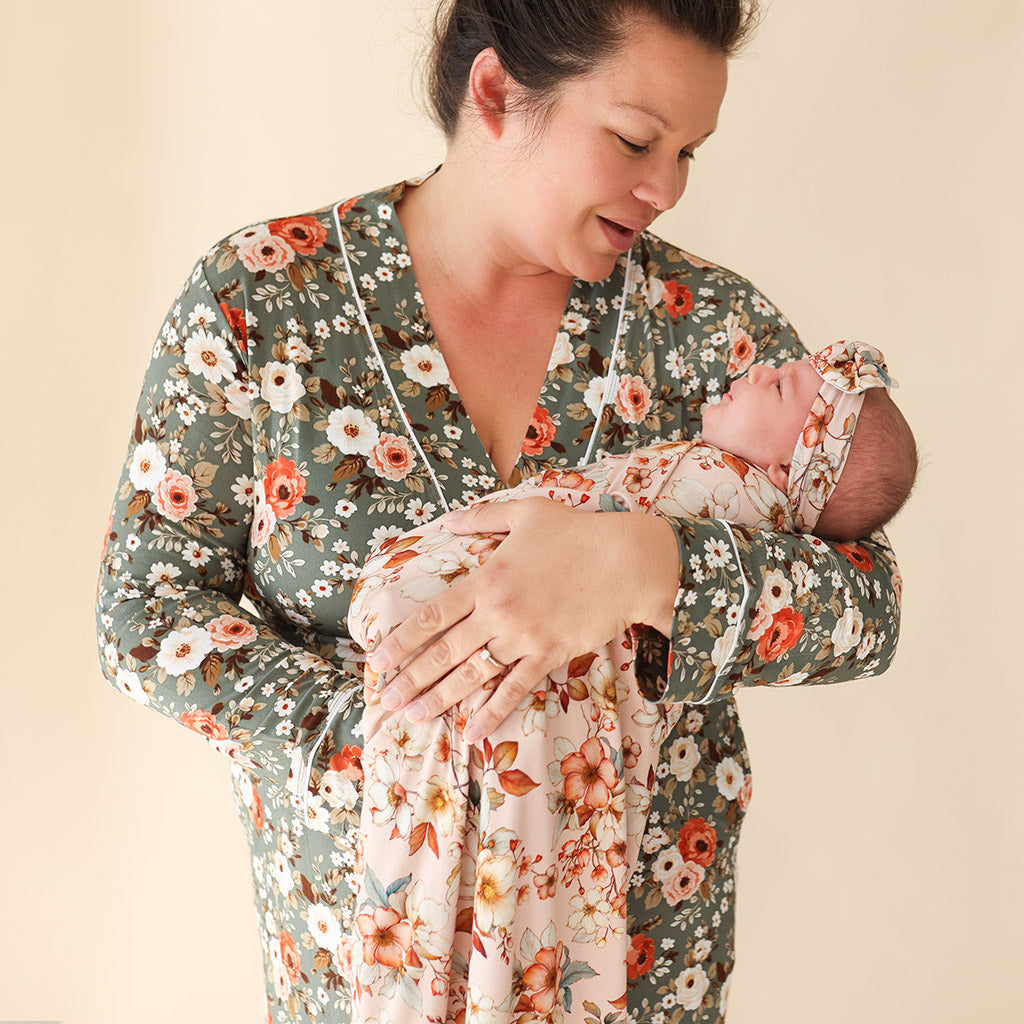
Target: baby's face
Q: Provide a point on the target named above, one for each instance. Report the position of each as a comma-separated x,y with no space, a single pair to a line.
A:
761,415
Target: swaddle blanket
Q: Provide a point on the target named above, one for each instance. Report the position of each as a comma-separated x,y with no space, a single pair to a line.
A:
493,876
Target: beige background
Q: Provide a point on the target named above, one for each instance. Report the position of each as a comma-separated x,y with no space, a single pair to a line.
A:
866,176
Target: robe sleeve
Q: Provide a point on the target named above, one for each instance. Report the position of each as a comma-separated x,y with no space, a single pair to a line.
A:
760,608
172,632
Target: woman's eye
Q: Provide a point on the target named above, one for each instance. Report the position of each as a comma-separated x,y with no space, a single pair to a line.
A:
633,147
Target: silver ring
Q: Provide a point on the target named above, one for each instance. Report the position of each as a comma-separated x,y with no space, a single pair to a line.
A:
487,656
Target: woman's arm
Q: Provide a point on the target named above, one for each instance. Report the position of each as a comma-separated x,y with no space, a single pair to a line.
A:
172,634
757,608
763,608
751,607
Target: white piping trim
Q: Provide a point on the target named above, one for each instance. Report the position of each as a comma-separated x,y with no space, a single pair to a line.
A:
713,686
307,770
383,366
612,378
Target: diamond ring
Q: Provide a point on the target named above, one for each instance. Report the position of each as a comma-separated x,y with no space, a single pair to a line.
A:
487,656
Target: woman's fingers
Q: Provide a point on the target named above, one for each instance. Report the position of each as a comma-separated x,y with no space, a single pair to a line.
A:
430,620
471,676
452,664
524,677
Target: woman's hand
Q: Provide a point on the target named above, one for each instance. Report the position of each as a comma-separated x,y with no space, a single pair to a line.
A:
561,583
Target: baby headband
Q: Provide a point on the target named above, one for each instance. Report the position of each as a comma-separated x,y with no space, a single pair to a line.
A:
847,369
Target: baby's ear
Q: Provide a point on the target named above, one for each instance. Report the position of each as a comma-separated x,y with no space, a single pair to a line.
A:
779,475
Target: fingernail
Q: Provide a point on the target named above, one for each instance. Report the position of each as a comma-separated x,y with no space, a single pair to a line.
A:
471,733
391,699
416,711
379,662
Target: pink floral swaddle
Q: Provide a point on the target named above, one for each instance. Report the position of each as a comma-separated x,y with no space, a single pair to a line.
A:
493,877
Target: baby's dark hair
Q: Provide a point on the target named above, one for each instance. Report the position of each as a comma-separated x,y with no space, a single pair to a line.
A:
878,476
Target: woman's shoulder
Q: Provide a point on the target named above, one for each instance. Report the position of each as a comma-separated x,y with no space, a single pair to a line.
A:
690,284
663,259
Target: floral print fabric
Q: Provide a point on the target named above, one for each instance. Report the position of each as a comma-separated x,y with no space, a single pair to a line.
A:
268,455
496,874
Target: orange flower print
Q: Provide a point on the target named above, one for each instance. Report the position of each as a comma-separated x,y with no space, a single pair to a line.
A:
818,419
570,479
781,635
236,318
857,556
393,457
265,252
640,956
349,762
678,299
638,478
742,355
205,724
175,496
697,841
633,400
386,937
539,434
542,981
283,485
683,883
746,791
589,775
256,810
229,632
290,957
304,234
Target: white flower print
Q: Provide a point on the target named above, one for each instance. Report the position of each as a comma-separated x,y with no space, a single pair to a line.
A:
594,394
184,649
729,778
281,386
148,466
351,431
323,926
244,491
683,757
207,356
777,592
298,350
130,685
425,365
561,351
847,633
419,511
575,323
691,987
239,398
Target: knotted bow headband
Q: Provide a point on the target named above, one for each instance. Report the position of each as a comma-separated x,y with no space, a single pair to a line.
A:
847,369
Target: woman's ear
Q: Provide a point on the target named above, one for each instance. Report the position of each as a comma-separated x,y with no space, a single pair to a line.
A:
488,89
778,473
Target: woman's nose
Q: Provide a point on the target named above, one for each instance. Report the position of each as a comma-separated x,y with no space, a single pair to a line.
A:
663,184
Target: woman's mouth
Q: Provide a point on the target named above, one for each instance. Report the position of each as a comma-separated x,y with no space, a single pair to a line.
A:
621,236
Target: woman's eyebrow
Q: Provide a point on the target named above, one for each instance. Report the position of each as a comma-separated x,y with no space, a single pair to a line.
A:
655,116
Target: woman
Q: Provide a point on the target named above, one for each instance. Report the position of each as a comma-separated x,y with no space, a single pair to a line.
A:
300,406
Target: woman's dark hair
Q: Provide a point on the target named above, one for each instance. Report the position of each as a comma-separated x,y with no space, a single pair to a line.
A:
542,43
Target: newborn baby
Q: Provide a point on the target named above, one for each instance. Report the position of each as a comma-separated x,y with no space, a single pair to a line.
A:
486,870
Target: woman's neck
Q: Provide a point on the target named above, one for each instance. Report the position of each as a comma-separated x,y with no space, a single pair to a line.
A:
455,231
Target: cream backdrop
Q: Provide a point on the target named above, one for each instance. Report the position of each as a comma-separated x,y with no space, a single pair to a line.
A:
866,176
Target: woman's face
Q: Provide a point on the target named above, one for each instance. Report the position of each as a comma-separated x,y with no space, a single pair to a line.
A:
614,153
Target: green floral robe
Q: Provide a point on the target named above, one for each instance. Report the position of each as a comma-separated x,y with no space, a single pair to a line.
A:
271,449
